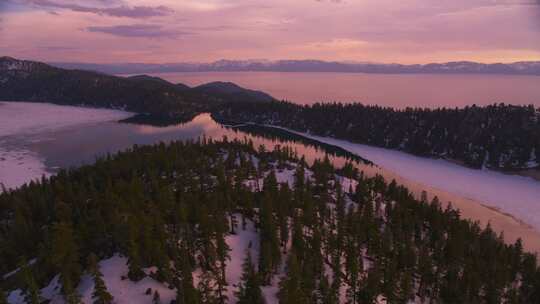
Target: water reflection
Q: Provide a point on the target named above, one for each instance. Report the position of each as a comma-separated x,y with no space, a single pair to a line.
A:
77,146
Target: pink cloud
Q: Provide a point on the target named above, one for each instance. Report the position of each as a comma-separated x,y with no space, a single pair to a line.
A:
116,11
137,30
206,30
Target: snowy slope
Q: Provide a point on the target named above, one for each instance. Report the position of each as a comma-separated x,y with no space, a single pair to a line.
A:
124,291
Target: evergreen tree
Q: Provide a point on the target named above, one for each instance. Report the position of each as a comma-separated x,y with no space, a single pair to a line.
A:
135,272
249,291
65,257
290,287
100,295
31,291
185,291
270,253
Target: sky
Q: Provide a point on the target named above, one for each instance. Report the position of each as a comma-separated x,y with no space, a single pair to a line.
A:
164,31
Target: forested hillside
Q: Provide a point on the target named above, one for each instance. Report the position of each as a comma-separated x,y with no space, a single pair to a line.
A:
182,214
22,80
497,136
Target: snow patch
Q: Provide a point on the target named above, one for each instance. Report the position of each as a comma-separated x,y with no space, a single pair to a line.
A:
238,243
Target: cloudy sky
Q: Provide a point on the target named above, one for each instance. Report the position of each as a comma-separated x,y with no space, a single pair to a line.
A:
158,31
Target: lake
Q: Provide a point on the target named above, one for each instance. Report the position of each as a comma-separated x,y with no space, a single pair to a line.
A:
394,90
40,138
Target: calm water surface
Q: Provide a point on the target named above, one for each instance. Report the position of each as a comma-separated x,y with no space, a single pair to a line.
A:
77,146
395,90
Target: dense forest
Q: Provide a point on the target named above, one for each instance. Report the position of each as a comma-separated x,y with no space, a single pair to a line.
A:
324,234
496,136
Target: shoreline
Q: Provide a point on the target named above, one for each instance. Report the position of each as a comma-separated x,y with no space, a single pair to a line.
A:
511,226
501,221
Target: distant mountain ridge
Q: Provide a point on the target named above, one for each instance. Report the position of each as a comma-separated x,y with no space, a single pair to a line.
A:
22,80
457,67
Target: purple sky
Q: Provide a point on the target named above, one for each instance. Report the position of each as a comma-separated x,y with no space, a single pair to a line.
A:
408,31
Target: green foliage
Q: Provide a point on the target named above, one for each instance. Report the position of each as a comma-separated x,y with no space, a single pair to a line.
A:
249,289
31,290
290,288
65,257
100,295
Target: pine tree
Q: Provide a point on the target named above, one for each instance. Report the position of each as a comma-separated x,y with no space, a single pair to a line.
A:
135,272
299,183
336,280
270,253
100,295
249,290
31,291
222,250
353,269
290,287
185,291
65,257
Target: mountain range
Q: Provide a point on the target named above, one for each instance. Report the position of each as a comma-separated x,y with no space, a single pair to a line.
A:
458,67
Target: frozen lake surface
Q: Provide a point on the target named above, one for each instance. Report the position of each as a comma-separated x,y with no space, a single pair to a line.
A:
23,124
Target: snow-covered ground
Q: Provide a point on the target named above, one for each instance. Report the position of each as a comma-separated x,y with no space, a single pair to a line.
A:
21,120
114,270
512,194
124,291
